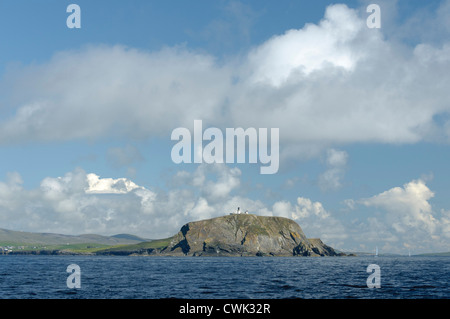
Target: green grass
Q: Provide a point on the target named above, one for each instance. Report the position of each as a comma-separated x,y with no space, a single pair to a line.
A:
87,247
154,244
80,248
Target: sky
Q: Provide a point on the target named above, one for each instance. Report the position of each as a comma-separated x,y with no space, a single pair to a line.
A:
363,113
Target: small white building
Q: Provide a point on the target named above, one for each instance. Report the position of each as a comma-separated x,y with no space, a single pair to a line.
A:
238,211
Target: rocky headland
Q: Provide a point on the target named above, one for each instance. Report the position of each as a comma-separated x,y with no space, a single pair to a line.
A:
233,235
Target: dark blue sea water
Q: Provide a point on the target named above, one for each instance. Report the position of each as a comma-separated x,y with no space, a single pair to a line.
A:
44,277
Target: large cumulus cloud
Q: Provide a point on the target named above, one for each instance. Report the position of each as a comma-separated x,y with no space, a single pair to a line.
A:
334,82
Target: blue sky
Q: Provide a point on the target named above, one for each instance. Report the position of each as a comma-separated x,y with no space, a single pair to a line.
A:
86,117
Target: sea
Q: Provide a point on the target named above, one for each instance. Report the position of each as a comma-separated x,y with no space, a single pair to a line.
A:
144,277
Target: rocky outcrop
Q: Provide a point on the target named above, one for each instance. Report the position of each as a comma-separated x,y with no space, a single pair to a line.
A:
245,235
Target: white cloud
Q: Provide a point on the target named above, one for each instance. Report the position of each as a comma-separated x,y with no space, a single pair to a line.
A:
306,208
103,91
310,49
332,178
314,219
445,224
404,219
408,206
318,222
214,182
336,158
332,82
97,185
202,209
371,100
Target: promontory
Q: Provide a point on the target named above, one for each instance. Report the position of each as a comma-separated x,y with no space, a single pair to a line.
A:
233,235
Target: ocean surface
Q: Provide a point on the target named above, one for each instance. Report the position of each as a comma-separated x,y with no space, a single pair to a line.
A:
104,277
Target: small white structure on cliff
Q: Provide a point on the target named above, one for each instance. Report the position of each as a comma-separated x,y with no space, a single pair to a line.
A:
238,211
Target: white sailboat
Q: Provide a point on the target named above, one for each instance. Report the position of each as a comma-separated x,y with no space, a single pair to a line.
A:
376,251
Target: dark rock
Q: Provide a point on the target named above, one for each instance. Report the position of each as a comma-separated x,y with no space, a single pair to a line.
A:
245,235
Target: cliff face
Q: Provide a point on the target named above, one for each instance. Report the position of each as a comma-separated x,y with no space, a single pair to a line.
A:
245,235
